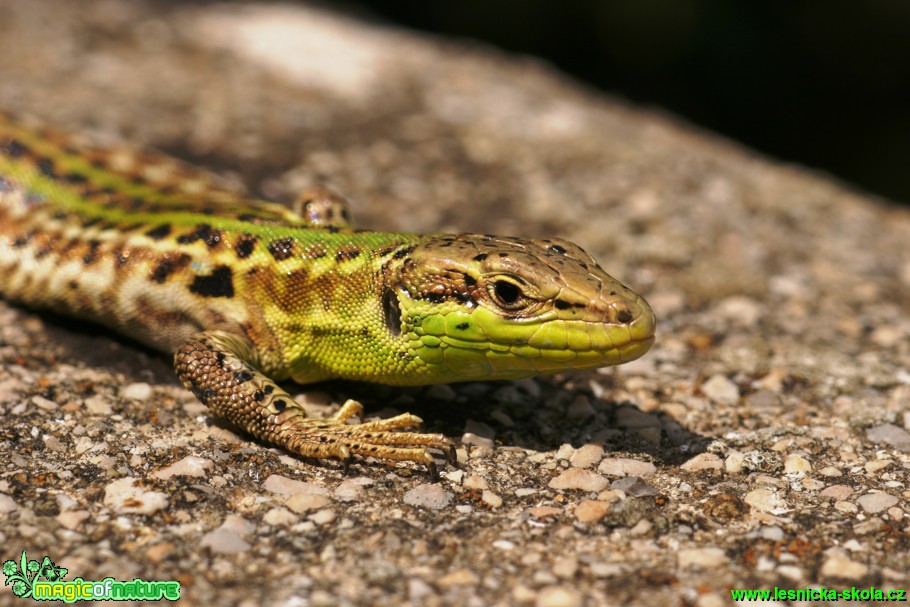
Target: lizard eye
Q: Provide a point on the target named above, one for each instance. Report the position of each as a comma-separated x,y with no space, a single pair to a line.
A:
507,294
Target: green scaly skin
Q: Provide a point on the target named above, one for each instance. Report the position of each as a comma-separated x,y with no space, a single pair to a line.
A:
246,292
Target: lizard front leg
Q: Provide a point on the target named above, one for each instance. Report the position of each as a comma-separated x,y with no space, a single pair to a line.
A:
216,366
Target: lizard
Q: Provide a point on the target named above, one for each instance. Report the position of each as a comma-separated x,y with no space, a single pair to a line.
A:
245,293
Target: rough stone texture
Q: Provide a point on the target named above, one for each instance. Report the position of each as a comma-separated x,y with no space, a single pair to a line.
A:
786,290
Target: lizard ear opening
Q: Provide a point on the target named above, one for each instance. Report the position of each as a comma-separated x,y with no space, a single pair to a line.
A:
391,312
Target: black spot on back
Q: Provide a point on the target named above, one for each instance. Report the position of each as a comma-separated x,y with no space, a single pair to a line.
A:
347,254
159,232
167,266
219,283
480,257
403,252
281,248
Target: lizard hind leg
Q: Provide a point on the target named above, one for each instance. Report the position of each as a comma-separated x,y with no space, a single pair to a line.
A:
217,367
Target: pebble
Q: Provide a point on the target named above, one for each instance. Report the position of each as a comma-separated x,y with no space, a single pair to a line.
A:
558,596
188,466
702,461
743,311
630,417
890,434
764,500
279,517
876,502
734,462
701,558
876,465
228,538
287,487
7,504
545,511
98,405
633,486
838,564
796,464
577,478
323,517
72,519
623,466
478,434
459,577
124,496
586,456
491,499
837,492
830,471
350,489
304,502
721,390
474,481
427,495
44,403
580,409
136,391
591,511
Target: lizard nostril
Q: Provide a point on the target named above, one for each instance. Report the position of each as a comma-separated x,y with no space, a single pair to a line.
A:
624,315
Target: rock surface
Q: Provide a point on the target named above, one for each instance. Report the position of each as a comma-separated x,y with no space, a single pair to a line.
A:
769,420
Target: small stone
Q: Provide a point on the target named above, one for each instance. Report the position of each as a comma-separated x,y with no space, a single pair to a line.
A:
741,310
838,564
124,496
721,390
877,465
733,464
443,392
427,495
188,466
302,502
136,391
98,405
623,466
725,507
591,511
72,519
565,567
876,502
323,517
764,500
474,481
633,486
712,599
544,511
224,541
703,461
830,471
44,403
586,456
837,492
459,577
577,478
890,434
287,486
279,517
350,489
558,596
846,507
702,558
580,409
491,499
796,464
7,504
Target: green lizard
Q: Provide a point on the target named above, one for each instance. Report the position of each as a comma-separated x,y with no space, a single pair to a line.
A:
246,292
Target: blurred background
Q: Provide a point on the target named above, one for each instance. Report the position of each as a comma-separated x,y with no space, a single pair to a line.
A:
823,83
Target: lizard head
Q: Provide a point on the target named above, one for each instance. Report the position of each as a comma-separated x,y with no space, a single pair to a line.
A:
476,307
